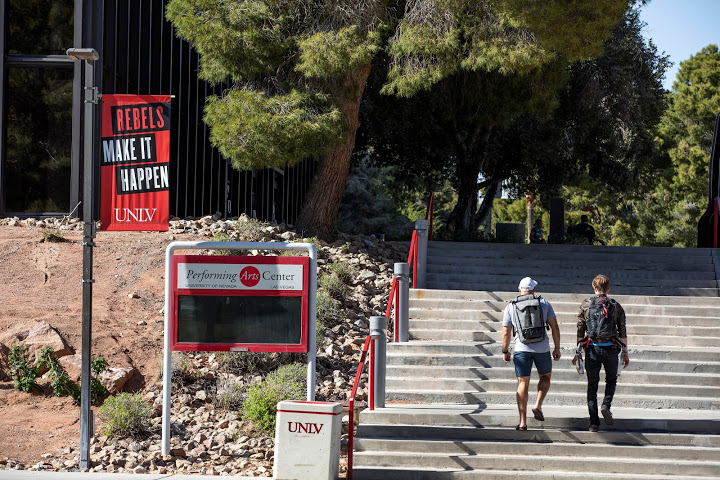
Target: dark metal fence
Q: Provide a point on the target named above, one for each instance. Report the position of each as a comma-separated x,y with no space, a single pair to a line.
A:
141,55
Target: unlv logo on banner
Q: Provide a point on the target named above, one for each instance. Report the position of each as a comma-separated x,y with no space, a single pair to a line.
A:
135,162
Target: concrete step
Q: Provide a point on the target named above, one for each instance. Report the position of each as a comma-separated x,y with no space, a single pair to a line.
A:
562,372
465,441
700,428
560,288
564,248
640,325
504,296
567,335
492,320
559,277
638,364
572,256
545,448
368,472
561,397
543,463
576,384
619,275
444,308
580,263
486,350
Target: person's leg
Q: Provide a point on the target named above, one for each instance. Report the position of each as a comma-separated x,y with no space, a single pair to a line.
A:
543,363
592,368
523,367
522,399
610,363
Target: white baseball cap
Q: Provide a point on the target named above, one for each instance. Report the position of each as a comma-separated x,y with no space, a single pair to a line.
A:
527,283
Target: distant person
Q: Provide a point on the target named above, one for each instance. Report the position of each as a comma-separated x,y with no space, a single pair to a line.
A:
527,318
536,234
585,230
602,333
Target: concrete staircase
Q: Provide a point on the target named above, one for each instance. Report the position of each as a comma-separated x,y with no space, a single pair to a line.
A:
571,268
451,406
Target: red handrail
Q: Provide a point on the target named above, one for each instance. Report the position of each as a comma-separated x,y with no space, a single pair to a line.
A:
715,220
430,212
351,407
394,293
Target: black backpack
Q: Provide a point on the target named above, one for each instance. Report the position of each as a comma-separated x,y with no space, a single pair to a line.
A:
528,321
601,320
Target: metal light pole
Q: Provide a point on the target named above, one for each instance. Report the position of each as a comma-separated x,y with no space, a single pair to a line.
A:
89,55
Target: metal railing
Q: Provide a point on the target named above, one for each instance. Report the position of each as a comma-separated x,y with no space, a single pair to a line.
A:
715,221
395,299
412,260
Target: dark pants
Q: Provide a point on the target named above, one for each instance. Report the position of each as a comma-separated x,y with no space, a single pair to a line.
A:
596,357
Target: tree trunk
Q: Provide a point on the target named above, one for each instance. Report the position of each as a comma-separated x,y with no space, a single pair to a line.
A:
462,222
321,206
530,220
485,211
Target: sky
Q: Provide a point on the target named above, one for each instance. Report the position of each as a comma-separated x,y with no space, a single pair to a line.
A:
681,28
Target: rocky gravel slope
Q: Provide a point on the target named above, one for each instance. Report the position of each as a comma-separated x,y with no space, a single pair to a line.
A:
209,435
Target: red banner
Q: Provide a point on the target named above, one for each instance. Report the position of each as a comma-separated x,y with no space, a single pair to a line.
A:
134,172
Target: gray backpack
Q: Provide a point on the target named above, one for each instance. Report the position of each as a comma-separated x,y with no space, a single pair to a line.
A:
528,322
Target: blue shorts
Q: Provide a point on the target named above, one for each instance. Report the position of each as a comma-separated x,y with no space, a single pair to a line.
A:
524,361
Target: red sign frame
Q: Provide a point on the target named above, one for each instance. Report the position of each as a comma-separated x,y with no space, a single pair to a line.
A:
234,260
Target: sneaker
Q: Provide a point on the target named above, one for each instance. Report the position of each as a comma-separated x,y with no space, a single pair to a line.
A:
593,428
607,415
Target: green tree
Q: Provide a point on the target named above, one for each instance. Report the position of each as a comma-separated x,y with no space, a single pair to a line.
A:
298,71
599,145
686,134
464,72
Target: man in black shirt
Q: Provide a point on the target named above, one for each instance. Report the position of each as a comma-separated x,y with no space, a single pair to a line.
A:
584,229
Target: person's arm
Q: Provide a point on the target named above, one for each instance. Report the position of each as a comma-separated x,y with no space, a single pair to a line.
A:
622,334
581,329
552,321
506,336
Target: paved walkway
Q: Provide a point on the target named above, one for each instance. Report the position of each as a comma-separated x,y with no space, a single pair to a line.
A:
30,475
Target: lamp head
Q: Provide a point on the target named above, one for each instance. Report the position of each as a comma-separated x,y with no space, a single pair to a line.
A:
87,54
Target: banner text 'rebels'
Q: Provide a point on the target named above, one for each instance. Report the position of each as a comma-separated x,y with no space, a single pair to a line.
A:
142,118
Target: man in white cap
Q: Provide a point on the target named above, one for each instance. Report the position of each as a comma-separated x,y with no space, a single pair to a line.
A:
527,317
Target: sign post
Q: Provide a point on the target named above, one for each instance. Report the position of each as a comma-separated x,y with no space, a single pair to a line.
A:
88,55
274,299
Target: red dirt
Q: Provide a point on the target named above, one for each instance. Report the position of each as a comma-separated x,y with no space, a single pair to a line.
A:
41,280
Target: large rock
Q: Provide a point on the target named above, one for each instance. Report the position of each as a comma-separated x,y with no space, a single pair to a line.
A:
114,378
34,336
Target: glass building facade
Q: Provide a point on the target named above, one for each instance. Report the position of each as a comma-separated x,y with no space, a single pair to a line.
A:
41,120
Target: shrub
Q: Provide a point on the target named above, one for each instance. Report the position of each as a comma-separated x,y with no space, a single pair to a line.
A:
285,383
22,373
224,237
60,382
328,310
229,395
342,270
98,391
52,235
125,415
251,230
334,286
183,371
244,362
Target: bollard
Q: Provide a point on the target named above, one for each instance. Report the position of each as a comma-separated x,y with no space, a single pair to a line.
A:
421,261
402,306
378,325
307,440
